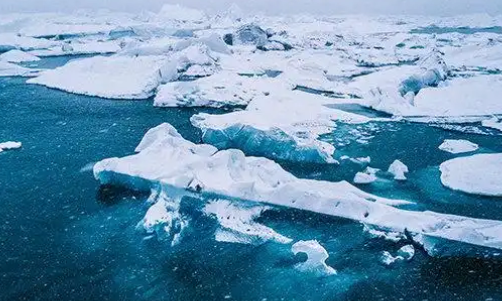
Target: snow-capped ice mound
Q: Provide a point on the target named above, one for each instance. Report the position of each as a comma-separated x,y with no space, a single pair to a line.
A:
18,56
278,126
222,89
9,145
238,225
458,146
9,69
477,174
195,61
115,77
178,167
316,258
249,34
181,13
398,169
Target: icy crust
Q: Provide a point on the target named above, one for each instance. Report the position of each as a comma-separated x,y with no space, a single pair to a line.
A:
316,258
278,126
117,77
493,123
18,56
477,174
458,146
178,166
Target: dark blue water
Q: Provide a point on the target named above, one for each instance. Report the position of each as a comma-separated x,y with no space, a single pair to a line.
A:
65,238
433,29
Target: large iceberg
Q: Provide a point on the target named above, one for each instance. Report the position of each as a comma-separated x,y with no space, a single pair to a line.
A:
477,174
116,77
176,166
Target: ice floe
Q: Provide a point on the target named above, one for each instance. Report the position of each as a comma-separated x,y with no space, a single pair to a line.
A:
10,145
367,176
405,253
477,174
458,146
178,166
399,170
117,77
10,69
18,56
316,258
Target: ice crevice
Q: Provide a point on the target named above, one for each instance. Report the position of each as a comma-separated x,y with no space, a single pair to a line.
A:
167,160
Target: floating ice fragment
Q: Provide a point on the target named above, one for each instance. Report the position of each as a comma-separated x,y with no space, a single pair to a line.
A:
366,177
316,258
458,146
9,145
477,174
398,169
406,253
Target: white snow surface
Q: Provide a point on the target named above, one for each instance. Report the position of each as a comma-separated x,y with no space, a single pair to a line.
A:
458,146
477,174
316,258
18,56
493,123
115,77
176,165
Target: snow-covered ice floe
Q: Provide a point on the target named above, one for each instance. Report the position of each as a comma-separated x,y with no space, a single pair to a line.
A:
10,69
10,145
316,258
169,163
284,125
493,123
458,146
117,77
18,56
478,174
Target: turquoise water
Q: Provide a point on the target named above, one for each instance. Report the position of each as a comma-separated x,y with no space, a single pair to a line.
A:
66,238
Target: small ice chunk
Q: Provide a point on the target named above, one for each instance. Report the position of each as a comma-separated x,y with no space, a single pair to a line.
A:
458,146
406,253
362,160
398,169
18,56
9,145
366,177
316,261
